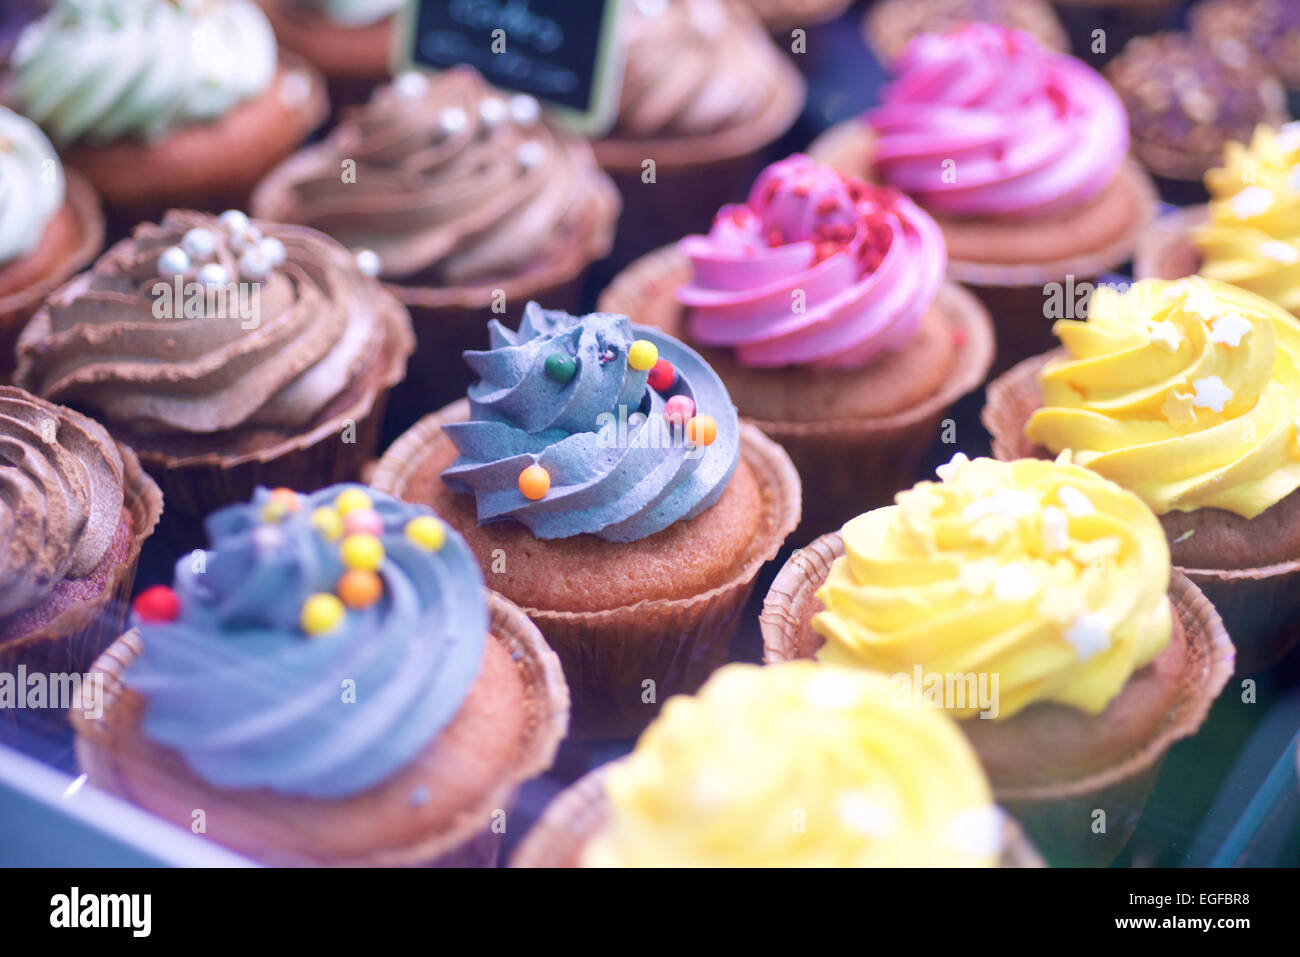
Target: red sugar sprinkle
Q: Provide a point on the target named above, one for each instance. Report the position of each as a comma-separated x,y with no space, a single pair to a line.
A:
156,604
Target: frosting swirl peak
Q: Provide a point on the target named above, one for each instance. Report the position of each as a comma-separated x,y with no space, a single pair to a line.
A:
815,268
569,395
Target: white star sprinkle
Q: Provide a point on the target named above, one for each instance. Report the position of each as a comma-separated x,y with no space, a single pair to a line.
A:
831,691
977,577
1203,303
1176,289
1014,583
1075,502
1004,503
948,471
1279,251
1166,334
859,812
977,831
1088,635
1251,201
1056,529
1211,393
1229,329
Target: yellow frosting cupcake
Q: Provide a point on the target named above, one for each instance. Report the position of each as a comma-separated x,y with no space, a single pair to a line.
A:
1253,236
1186,393
1042,576
798,765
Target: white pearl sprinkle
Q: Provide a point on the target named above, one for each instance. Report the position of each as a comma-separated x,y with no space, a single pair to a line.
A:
368,262
1229,329
273,250
250,238
199,243
493,111
1088,635
1211,393
174,261
410,85
234,222
524,109
530,154
452,120
977,831
214,274
254,266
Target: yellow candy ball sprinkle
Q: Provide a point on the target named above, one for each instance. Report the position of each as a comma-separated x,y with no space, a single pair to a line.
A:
320,613
359,589
351,499
427,532
328,522
273,511
288,497
643,355
362,551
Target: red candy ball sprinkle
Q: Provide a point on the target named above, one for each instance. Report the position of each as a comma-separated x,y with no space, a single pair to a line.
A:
156,604
662,376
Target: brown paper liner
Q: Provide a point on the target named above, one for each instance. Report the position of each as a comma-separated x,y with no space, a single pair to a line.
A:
353,59
1165,250
105,753
1260,606
1057,814
694,176
846,465
607,655
580,811
18,307
71,642
1013,294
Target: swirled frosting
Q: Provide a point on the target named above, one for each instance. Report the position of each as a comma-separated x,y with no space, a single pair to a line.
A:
1252,239
620,465
446,179
815,267
61,497
256,325
1187,393
356,13
1041,574
102,70
250,700
984,121
693,67
31,185
797,765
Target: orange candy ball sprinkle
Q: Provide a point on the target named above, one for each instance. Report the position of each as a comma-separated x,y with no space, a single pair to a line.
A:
359,589
701,430
534,482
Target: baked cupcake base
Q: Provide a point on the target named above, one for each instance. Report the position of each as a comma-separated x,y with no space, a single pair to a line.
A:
506,732
639,621
207,165
856,437
1050,765
353,59
581,810
1008,263
71,240
72,627
1225,555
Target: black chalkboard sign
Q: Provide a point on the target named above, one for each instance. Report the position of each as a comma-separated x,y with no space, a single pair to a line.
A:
563,52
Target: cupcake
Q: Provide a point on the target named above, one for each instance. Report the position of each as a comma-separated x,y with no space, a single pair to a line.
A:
470,201
349,41
332,684
1253,29
1185,103
793,766
780,16
1249,235
50,226
227,353
1034,600
164,104
890,25
1186,394
983,129
705,90
599,472
821,304
76,509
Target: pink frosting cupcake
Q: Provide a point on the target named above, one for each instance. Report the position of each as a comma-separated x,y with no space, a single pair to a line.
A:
821,301
1021,156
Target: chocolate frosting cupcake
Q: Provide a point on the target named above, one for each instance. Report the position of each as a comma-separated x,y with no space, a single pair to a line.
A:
1186,100
1253,29
450,183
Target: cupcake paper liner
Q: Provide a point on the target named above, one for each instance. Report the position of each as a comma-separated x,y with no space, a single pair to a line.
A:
1056,813
608,654
70,643
581,810
1166,250
16,308
170,790
845,465
1260,606
780,16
